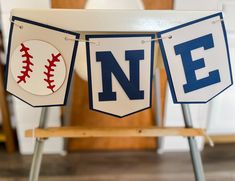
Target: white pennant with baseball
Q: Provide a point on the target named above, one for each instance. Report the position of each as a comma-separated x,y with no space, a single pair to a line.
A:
40,67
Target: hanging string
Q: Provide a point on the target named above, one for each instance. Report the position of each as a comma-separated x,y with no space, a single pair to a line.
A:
157,39
66,38
210,141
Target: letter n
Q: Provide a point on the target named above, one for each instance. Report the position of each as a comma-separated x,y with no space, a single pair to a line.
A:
109,67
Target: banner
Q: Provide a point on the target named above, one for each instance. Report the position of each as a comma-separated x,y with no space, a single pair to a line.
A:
196,59
40,62
120,72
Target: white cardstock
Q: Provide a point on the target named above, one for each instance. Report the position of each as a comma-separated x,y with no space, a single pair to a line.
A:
213,53
40,62
118,45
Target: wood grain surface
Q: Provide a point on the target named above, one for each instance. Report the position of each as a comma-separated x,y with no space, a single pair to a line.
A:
94,132
68,4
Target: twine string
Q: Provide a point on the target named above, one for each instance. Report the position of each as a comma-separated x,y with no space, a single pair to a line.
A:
81,40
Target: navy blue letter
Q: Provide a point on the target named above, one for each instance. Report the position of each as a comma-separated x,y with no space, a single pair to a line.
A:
190,65
110,66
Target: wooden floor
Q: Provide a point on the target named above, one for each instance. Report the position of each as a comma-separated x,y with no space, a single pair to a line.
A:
219,164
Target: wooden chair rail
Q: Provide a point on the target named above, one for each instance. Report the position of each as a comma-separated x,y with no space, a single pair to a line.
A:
88,132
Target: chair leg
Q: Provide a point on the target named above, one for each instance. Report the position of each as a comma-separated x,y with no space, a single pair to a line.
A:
195,153
38,149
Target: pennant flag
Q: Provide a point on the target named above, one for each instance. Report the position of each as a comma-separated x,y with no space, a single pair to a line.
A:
196,59
40,60
120,72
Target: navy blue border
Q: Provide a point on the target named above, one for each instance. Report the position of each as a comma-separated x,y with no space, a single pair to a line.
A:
159,35
77,35
152,35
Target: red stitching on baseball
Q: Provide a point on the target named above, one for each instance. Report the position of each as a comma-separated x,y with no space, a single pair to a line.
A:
49,73
27,62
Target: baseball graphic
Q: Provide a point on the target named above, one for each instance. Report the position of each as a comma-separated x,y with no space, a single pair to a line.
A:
38,67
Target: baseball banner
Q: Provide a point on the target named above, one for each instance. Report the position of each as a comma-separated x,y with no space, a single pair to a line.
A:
40,62
196,59
120,72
